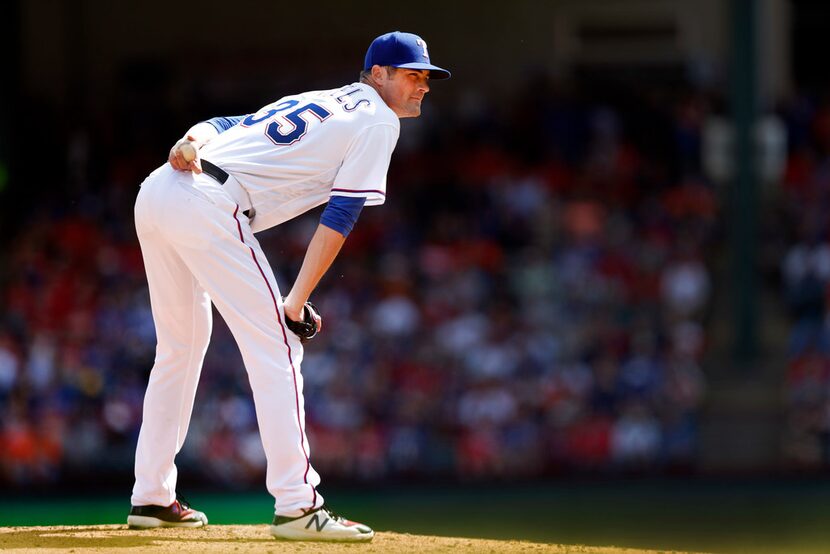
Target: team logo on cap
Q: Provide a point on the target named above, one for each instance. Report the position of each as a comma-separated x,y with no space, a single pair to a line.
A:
420,42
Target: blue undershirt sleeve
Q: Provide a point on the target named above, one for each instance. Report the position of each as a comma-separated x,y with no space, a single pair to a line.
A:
222,124
341,213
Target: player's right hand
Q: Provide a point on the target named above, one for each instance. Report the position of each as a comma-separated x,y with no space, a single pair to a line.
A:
177,159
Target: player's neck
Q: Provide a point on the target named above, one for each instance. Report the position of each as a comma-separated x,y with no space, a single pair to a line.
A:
374,85
369,82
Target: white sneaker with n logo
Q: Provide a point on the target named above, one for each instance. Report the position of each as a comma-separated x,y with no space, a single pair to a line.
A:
320,525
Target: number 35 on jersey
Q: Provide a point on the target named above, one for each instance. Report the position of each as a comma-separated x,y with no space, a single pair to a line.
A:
287,127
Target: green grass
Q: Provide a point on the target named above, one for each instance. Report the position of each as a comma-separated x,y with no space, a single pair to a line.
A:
710,516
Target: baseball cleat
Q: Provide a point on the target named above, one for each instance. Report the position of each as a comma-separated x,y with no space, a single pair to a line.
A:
177,514
320,525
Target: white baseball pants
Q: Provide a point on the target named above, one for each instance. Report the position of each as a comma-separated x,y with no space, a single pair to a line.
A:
197,247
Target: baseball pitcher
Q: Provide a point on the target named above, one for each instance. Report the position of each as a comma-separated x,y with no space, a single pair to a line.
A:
196,216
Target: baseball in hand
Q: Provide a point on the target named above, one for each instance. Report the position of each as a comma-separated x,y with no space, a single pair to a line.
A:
188,151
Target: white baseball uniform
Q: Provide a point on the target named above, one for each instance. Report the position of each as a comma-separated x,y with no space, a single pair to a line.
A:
198,247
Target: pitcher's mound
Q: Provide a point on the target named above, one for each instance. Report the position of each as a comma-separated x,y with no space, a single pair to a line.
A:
250,538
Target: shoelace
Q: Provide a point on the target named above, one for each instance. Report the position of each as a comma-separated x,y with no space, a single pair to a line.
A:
183,502
332,515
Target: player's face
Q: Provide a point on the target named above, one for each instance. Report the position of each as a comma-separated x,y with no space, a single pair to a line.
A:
403,90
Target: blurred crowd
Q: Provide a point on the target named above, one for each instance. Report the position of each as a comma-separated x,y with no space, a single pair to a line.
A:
531,300
804,215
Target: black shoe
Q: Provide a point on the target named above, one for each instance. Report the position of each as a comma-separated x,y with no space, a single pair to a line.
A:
177,514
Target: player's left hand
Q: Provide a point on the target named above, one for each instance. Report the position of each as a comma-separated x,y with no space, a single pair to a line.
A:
179,159
305,322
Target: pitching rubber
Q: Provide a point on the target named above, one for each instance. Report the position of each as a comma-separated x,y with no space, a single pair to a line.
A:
285,533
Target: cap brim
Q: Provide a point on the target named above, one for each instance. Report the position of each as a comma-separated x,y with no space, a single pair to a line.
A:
435,72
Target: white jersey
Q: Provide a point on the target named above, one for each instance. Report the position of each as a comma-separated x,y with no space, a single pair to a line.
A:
295,153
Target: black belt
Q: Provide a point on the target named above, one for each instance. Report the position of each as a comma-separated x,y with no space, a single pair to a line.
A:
220,175
215,171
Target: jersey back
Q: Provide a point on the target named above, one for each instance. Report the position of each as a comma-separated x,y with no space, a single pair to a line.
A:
293,154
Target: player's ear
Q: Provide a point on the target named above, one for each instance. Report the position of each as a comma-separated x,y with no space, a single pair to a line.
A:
378,74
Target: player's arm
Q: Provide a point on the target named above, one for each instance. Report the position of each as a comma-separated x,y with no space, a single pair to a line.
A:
197,136
336,223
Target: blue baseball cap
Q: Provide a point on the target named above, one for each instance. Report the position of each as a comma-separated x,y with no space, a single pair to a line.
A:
403,50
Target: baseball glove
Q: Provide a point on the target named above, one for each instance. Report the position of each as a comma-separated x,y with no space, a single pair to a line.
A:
307,328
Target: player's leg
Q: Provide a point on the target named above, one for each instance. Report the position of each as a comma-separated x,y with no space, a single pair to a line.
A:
244,290
182,317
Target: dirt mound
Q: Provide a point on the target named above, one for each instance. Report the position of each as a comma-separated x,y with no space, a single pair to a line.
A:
248,538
